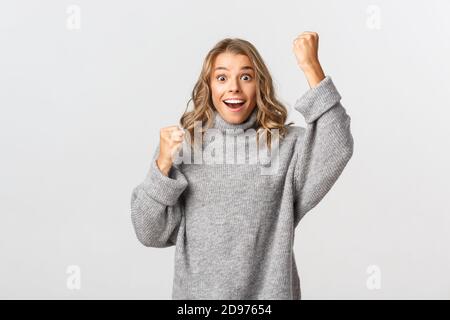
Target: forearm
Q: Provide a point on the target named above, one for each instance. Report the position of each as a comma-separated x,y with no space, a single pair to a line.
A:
325,147
164,167
314,74
156,206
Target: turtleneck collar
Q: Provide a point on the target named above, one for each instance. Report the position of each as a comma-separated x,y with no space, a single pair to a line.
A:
221,124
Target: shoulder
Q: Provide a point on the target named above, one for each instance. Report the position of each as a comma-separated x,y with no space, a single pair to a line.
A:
295,132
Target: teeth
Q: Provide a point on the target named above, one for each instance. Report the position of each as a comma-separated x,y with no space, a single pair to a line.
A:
234,101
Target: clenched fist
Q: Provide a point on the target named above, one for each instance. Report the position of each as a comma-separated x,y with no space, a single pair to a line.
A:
305,48
170,140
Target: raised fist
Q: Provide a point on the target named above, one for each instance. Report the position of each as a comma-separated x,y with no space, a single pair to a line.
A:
305,48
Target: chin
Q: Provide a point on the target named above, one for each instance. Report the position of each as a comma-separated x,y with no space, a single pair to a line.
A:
235,117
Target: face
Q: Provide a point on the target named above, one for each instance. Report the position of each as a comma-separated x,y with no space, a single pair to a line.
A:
233,87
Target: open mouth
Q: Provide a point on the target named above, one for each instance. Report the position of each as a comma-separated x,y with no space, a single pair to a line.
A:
236,105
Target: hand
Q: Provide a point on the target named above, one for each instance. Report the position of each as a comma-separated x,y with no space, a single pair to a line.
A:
305,48
170,140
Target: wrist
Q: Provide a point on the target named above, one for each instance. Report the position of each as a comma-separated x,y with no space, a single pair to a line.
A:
310,66
314,73
163,166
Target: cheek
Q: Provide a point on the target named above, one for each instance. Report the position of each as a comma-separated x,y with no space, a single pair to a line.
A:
253,95
216,93
251,91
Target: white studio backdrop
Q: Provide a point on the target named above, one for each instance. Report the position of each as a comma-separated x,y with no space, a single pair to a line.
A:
85,87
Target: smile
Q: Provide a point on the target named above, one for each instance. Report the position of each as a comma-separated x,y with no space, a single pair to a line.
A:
234,105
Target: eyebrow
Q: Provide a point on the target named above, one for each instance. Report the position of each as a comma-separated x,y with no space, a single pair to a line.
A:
243,68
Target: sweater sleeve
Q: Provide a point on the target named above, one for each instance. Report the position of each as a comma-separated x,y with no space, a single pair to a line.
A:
324,149
156,206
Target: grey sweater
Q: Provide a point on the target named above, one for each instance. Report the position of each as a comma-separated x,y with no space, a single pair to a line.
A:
234,227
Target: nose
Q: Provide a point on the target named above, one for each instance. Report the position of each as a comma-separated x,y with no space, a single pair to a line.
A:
234,86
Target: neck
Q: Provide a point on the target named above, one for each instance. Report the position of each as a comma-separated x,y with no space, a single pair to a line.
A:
223,125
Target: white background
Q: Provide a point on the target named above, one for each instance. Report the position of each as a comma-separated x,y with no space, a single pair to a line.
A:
81,111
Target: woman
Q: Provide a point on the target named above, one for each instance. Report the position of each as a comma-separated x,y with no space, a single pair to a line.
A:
233,225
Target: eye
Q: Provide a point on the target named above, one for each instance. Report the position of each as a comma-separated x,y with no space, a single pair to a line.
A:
244,75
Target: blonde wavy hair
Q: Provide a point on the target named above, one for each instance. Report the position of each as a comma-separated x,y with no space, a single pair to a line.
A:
271,113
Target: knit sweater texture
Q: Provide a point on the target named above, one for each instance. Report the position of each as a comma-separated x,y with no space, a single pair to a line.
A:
232,226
